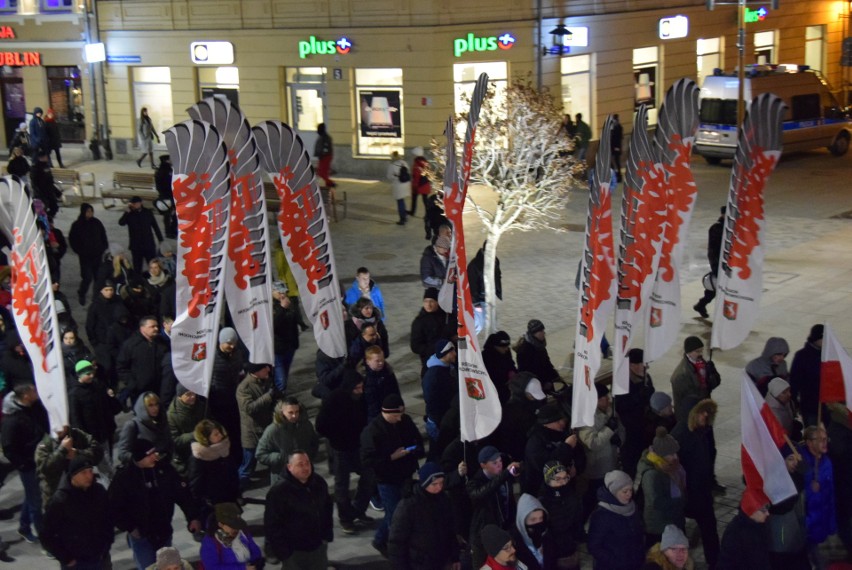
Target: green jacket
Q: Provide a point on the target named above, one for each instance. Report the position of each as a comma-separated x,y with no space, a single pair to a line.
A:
254,398
281,438
662,507
52,459
182,421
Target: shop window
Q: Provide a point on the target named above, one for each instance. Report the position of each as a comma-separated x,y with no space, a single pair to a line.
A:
152,88
57,5
815,47
66,100
13,100
709,57
577,86
379,105
646,80
220,81
8,6
764,47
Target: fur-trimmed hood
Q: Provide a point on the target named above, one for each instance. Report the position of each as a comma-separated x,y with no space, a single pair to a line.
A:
706,405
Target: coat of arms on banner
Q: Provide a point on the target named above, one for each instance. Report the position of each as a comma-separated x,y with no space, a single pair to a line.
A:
656,317
475,389
199,351
730,310
254,320
323,317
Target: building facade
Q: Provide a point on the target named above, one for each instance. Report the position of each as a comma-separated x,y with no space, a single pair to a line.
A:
384,74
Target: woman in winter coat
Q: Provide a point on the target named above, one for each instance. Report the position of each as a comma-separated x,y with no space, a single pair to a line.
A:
149,423
564,513
364,312
400,179
616,540
662,480
212,476
420,184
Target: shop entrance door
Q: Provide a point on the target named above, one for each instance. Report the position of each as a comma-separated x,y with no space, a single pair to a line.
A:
14,105
307,109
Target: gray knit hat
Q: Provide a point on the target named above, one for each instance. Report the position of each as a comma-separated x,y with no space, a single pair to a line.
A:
673,536
617,480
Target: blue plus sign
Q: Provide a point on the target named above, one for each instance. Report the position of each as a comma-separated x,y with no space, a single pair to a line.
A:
506,39
344,43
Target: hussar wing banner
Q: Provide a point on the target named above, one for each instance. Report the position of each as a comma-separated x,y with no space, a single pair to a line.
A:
32,298
447,294
643,212
739,284
676,127
304,233
248,283
597,287
201,187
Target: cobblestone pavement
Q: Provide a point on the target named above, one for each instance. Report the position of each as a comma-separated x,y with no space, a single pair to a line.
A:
808,279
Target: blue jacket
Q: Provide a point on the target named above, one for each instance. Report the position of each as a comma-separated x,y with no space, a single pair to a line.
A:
216,556
354,293
820,517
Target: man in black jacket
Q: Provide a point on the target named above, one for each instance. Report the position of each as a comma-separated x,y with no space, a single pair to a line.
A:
222,404
139,361
490,492
77,526
140,223
88,239
548,441
391,445
714,252
298,516
430,325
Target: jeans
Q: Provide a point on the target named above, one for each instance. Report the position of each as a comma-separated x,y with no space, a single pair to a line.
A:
248,464
144,553
403,213
343,465
282,369
31,507
391,495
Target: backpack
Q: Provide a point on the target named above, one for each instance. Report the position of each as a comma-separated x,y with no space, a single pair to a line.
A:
404,175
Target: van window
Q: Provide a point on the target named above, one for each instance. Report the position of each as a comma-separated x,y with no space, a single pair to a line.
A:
719,111
830,107
806,107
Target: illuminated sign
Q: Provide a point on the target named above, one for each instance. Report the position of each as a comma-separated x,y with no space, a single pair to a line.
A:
95,53
577,36
20,58
212,53
7,33
492,43
673,28
313,46
752,16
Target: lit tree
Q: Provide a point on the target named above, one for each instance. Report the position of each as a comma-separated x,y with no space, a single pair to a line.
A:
524,157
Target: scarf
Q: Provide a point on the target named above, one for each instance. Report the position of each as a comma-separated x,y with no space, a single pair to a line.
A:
701,370
623,510
675,471
237,546
211,452
534,341
159,280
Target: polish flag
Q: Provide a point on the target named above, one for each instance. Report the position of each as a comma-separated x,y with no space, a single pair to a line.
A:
835,371
766,475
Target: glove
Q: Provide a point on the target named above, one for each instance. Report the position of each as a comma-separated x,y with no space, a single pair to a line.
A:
612,423
615,440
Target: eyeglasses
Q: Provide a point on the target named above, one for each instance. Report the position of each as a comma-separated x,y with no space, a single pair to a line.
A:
561,478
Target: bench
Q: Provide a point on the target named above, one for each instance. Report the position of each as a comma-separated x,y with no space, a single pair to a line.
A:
126,185
331,201
77,182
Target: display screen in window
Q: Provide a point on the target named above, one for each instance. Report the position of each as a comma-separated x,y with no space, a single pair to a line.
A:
381,112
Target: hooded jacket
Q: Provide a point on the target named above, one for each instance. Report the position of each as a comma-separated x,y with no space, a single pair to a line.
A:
696,455
427,328
805,378
77,523
88,238
282,437
616,540
543,556
601,454
182,420
213,477
761,370
254,397
23,428
143,426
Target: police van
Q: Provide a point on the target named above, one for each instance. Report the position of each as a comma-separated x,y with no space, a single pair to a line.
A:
813,118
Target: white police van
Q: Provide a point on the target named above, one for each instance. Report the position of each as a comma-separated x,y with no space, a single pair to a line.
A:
813,119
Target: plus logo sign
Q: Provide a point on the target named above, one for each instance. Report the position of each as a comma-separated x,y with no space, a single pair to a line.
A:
344,45
506,41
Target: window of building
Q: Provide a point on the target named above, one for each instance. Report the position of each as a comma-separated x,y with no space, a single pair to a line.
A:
152,88
815,47
66,100
764,47
379,106
646,78
8,6
57,5
306,101
220,81
709,52
577,86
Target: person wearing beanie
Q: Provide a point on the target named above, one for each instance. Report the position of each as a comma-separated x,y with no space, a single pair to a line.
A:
256,398
168,558
714,253
56,453
633,407
535,544
564,513
671,553
497,357
433,263
391,446
660,414
88,239
363,315
498,547
420,184
549,440
92,408
745,544
779,398
77,528
770,364
228,371
531,349
142,498
601,442
227,542
440,385
805,375
422,534
184,413
492,499
616,540
693,376
104,312
430,324
227,335
663,481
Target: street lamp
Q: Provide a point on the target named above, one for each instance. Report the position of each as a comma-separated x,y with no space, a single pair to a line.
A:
560,34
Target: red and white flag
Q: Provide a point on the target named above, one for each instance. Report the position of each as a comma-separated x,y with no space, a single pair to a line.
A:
479,403
32,298
678,121
304,233
597,286
643,213
835,371
201,188
766,475
739,284
248,278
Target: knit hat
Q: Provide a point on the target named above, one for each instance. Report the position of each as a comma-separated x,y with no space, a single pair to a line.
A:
417,151
664,444
443,241
180,390
552,469
488,453
443,347
168,556
136,200
429,472
603,390
228,335
83,367
778,385
673,536
549,413
494,539
692,343
636,356
107,283
816,333
229,514
79,463
430,293
254,367
167,246
660,401
534,326
141,449
59,306
617,480
533,388
501,338
393,403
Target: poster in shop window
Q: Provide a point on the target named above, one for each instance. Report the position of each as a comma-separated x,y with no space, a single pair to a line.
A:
645,82
380,112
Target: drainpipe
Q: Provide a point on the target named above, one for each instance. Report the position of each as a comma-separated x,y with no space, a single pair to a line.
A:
538,50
